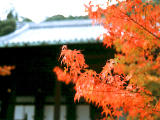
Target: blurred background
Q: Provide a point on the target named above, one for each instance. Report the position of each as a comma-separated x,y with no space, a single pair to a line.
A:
39,10
31,35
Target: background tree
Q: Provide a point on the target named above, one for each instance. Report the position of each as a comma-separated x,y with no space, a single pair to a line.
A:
61,17
123,86
11,15
24,19
55,17
9,25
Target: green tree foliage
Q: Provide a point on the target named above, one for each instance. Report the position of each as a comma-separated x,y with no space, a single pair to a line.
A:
10,15
9,25
56,17
77,17
61,17
24,19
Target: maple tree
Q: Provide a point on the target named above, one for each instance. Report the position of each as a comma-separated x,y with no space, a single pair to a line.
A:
133,29
6,70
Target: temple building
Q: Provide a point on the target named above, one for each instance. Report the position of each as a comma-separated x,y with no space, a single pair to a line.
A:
32,91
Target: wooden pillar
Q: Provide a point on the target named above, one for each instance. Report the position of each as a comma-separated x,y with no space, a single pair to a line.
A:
11,104
95,112
39,105
57,100
4,104
71,107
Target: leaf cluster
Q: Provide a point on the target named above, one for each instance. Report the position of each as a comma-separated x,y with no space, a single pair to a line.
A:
133,29
108,89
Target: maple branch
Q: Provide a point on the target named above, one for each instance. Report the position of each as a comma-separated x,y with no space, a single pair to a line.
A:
120,92
139,24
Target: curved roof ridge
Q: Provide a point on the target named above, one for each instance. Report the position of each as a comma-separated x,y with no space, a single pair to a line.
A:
62,23
56,32
5,38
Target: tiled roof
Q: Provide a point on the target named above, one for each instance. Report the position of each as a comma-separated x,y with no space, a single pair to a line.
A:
57,32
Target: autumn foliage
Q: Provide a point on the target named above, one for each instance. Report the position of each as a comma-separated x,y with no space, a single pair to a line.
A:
133,29
6,70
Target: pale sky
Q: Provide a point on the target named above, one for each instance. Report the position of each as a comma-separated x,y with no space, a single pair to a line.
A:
38,10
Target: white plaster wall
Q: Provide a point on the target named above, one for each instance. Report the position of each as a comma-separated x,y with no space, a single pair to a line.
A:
21,110
18,112
49,112
83,112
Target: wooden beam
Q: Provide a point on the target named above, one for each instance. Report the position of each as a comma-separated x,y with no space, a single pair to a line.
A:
39,105
57,100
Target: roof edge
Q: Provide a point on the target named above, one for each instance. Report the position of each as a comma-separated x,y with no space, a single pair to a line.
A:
63,23
5,38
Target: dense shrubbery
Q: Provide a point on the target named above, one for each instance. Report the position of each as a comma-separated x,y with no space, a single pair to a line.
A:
7,26
61,17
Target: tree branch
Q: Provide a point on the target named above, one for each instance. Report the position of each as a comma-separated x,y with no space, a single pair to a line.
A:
140,25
